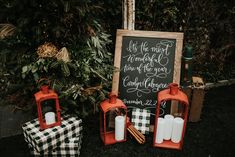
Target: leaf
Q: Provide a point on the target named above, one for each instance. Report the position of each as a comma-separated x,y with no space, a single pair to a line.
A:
92,99
71,65
35,76
88,43
65,69
34,69
40,61
98,74
23,76
66,6
94,41
101,95
86,69
54,64
72,102
98,60
82,99
45,68
75,95
24,69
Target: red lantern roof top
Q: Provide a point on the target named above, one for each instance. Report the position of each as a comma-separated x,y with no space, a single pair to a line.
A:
173,93
45,93
106,105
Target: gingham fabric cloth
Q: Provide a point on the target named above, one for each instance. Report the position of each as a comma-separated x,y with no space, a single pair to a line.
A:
45,140
141,120
70,148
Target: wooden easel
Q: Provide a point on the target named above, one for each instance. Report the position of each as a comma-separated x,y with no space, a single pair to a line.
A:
128,7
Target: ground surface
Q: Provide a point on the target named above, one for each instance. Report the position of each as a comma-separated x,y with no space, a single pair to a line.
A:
213,136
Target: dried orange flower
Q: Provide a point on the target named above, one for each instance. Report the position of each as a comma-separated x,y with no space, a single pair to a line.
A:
47,50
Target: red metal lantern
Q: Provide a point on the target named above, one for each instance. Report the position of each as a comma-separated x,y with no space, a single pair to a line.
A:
113,120
173,124
48,108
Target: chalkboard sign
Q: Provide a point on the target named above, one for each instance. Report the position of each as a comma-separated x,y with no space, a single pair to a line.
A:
147,62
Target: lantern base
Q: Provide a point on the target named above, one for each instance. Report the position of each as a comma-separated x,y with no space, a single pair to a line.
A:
110,138
169,144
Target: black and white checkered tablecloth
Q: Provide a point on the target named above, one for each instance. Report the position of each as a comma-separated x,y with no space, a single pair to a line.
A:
45,140
141,120
69,148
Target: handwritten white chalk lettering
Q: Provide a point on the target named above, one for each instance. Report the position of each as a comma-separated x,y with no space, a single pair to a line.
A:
162,47
132,46
140,102
128,67
163,104
144,47
161,72
145,66
141,86
153,59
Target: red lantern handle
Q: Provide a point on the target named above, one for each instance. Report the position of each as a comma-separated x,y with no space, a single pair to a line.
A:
48,82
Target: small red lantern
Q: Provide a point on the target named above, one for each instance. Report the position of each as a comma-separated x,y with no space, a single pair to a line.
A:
48,108
169,130
113,120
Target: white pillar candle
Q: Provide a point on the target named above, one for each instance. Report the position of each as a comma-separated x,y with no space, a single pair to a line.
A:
119,128
50,118
160,130
178,124
168,126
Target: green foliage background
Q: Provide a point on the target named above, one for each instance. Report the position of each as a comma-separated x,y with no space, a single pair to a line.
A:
208,26
81,83
87,29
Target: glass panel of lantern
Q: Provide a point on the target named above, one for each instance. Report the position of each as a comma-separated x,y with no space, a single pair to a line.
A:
48,111
113,120
170,128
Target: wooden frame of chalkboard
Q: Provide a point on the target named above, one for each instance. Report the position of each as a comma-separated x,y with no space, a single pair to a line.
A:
146,62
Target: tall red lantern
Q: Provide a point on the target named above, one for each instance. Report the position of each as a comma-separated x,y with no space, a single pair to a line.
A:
169,130
48,108
113,120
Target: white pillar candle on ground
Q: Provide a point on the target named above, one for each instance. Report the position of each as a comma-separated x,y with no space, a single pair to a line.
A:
50,118
160,130
168,126
178,125
119,128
